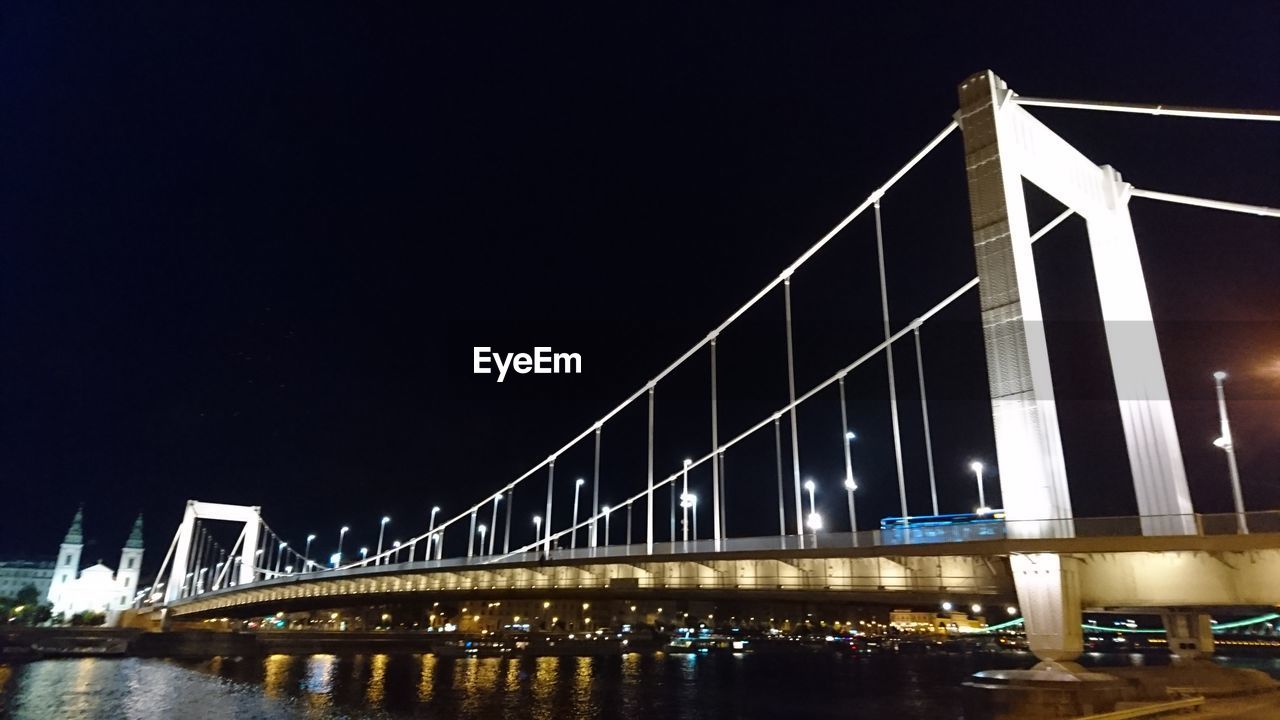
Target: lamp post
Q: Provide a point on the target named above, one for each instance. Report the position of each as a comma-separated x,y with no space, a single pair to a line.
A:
364,555
573,537
341,534
1227,443
537,531
693,508
307,560
672,494
815,520
606,512
280,556
684,502
382,527
395,553
431,528
849,486
482,528
976,467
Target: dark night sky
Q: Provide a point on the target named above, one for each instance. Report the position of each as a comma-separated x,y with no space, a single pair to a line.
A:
247,253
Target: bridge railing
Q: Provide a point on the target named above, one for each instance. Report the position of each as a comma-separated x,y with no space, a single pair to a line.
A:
919,534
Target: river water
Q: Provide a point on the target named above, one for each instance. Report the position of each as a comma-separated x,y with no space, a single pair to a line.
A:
630,687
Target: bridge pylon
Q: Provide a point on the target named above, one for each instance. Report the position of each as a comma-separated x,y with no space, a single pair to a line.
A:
1004,144
181,549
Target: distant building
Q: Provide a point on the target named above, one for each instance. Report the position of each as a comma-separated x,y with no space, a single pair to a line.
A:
17,574
910,621
97,588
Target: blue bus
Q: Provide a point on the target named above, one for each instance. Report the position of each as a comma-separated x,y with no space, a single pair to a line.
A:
942,528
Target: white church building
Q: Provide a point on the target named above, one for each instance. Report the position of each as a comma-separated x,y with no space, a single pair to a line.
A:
98,587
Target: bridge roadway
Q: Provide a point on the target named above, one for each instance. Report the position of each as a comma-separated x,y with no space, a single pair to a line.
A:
1116,566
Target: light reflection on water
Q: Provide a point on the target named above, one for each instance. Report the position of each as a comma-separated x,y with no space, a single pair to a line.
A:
631,687
276,674
375,687
317,684
426,683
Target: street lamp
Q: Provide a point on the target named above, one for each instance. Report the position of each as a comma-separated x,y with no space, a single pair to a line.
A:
815,520
606,511
1227,443
946,605
976,467
280,555
482,528
381,529
341,534
686,503
849,487
307,560
364,554
431,527
573,541
395,552
684,500
693,508
849,484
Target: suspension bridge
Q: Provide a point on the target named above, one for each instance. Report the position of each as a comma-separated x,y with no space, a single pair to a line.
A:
1033,548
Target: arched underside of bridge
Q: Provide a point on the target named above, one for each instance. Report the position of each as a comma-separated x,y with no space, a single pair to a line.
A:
1122,572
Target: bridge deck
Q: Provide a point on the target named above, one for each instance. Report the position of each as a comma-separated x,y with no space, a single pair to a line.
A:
888,566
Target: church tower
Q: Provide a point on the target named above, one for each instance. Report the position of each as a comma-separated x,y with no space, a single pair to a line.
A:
67,565
130,566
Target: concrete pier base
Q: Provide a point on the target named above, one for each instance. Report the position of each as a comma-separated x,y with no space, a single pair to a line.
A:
1050,690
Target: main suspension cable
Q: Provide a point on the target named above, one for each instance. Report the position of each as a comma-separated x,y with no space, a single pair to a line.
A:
1150,109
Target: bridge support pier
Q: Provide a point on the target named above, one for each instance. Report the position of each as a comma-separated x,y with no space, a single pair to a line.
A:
1190,634
1048,587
